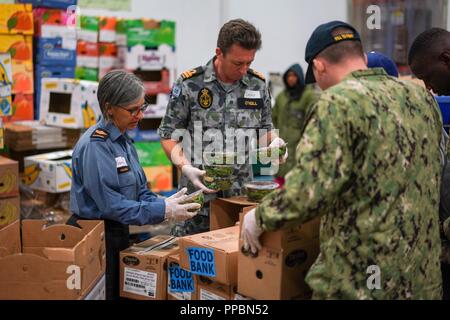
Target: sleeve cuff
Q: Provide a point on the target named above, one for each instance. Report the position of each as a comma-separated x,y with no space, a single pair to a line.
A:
156,210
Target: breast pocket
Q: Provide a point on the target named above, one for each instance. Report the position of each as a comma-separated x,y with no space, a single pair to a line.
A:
128,184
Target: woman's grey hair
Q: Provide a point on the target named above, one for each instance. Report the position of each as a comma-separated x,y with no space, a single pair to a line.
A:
118,88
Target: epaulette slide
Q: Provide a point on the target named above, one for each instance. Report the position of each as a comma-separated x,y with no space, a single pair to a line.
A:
191,73
257,74
100,134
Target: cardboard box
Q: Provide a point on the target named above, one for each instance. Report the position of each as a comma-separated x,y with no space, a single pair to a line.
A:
150,33
21,48
143,268
89,29
279,269
107,31
107,59
121,32
22,108
9,178
225,212
49,72
155,81
10,239
69,103
50,52
99,290
52,23
142,58
53,259
9,210
16,19
32,135
183,282
61,4
87,54
209,289
212,254
50,172
5,69
5,100
85,73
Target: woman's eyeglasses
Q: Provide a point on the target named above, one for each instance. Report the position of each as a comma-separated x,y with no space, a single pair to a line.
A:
135,111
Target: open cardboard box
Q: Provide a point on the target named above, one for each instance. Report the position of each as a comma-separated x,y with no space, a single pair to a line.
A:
279,269
224,243
225,211
143,268
51,256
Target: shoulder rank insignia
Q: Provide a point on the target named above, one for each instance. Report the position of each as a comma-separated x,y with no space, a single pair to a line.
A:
191,73
99,134
257,74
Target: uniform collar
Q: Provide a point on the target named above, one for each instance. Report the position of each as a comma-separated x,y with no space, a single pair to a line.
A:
210,73
368,73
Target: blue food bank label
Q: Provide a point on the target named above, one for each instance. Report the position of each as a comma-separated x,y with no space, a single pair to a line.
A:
201,261
180,280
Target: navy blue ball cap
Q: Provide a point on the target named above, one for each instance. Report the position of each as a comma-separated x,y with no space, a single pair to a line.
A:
322,38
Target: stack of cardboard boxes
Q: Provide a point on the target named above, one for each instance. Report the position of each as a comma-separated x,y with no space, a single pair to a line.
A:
214,266
16,62
55,44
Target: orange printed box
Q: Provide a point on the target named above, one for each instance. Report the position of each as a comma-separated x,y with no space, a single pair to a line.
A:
16,19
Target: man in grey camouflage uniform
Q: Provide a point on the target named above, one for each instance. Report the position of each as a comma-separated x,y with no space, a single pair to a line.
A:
219,98
368,165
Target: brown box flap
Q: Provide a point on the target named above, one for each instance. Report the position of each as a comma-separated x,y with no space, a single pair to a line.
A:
10,239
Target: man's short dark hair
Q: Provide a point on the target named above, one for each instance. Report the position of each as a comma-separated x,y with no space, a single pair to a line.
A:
239,32
337,52
427,43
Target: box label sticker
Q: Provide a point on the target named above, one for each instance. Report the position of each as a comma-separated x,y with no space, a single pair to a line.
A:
180,280
140,282
207,295
178,295
201,261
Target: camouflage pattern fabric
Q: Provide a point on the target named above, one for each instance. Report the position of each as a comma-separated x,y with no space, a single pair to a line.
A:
289,118
199,100
368,165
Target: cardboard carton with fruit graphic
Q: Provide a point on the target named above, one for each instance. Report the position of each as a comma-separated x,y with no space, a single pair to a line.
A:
107,59
20,48
49,172
87,54
5,84
69,103
107,32
9,211
16,19
156,165
52,23
22,108
89,29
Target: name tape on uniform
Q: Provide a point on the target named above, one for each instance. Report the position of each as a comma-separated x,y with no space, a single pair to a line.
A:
201,261
121,162
180,280
252,94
